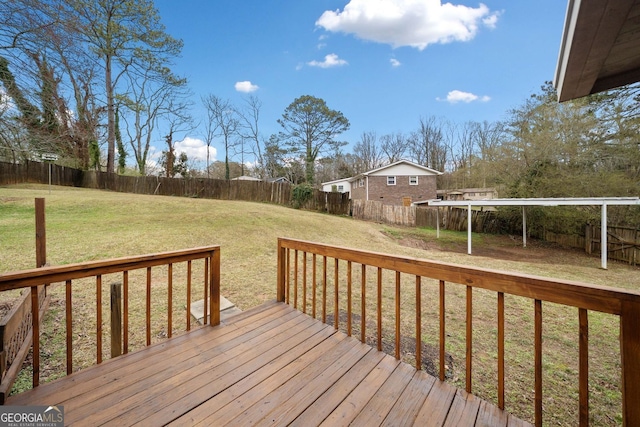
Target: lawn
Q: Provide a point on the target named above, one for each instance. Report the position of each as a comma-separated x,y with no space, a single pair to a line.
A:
90,225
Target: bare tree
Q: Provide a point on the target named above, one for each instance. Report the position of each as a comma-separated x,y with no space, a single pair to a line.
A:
394,146
179,120
427,144
249,130
148,97
368,152
223,115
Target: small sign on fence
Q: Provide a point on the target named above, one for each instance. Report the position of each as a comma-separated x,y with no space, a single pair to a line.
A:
49,157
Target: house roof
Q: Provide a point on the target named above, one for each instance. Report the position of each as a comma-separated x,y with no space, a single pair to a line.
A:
337,181
600,47
399,162
245,178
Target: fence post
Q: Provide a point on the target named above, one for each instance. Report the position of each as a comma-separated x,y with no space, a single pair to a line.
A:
630,358
116,319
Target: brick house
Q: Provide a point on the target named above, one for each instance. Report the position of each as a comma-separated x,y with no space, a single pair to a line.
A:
399,183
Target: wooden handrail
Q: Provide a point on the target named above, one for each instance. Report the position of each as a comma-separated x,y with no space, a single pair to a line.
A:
61,273
609,300
68,273
576,294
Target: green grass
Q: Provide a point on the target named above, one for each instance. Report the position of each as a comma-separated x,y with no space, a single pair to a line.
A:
90,225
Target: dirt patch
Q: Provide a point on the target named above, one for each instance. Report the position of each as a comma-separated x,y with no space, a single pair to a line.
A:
505,247
430,354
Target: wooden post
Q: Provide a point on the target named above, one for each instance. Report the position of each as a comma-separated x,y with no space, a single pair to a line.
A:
281,272
116,319
41,261
214,282
630,355
588,233
41,235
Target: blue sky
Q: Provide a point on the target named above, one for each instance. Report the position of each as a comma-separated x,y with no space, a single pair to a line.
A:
382,63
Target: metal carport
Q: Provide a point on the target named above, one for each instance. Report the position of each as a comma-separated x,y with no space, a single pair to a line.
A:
580,201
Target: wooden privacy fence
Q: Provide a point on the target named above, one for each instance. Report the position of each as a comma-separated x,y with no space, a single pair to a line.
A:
31,279
304,271
37,172
455,218
370,210
253,191
623,243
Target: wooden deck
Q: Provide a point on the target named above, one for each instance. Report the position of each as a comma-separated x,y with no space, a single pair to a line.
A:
271,365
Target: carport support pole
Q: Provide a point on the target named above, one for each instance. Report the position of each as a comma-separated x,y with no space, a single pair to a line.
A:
469,229
603,236
437,222
524,227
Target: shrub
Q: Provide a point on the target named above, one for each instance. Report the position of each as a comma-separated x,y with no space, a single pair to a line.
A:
301,194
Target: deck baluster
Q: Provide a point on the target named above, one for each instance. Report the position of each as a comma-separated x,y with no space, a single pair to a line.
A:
98,319
313,285
538,363
469,356
501,350
69,326
583,377
304,282
442,334
418,323
148,313
169,300
35,327
397,315
336,308
125,311
379,309
288,277
189,279
324,289
349,298
295,279
363,308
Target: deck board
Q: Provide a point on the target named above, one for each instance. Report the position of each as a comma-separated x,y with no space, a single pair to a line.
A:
271,365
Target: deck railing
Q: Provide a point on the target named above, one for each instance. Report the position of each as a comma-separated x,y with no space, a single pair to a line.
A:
67,274
303,268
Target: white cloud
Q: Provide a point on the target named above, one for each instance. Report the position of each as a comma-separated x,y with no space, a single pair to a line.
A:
415,23
395,62
456,96
196,149
330,60
246,87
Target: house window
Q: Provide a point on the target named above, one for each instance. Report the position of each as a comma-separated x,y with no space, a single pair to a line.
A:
413,180
472,194
483,194
341,188
361,182
391,180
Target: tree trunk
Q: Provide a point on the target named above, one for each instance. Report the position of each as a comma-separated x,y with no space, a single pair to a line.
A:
111,118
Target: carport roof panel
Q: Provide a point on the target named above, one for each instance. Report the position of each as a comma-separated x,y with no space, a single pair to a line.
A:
568,201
